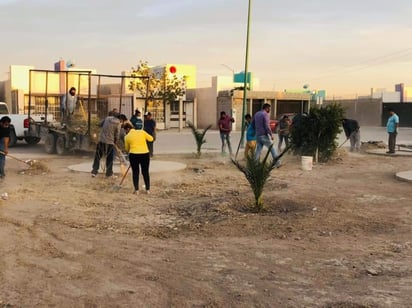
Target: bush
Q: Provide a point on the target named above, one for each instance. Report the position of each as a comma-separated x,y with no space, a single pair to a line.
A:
315,134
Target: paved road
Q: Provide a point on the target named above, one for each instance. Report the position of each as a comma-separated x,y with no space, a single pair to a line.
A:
173,141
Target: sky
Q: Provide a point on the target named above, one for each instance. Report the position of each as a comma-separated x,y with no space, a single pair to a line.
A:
345,47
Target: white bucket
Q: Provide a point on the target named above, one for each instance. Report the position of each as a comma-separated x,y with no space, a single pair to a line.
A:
307,163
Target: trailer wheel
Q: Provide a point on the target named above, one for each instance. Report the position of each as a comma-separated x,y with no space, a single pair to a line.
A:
60,145
32,140
13,138
50,143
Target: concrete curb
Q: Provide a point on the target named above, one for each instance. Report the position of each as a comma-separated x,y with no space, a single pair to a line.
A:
155,166
404,176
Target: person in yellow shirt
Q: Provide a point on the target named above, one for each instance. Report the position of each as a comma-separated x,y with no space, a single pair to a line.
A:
135,143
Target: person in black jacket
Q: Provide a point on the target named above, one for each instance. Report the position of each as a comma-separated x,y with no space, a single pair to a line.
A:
351,128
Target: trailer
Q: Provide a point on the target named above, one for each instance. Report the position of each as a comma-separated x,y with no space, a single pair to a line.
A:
97,95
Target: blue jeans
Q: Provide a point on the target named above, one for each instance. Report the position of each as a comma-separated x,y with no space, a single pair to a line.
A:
225,138
261,141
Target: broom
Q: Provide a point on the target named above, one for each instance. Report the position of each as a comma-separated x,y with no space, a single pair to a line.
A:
33,164
121,159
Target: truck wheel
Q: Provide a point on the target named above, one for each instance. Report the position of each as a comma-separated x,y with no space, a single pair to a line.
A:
13,138
50,143
32,140
60,145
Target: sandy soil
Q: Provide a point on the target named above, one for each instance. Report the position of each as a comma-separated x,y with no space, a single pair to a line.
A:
337,236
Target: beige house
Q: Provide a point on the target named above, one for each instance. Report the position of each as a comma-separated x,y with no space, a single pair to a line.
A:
221,97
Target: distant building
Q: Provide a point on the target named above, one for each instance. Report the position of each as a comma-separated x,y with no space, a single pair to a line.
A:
401,94
225,95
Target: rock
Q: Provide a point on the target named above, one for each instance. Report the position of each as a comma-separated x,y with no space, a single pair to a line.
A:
372,271
396,248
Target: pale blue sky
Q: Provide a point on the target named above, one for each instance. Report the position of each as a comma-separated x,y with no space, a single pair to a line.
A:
345,47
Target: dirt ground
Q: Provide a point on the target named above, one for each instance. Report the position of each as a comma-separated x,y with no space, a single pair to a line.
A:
337,236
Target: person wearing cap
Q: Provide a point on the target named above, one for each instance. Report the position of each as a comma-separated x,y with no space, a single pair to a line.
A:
149,126
136,119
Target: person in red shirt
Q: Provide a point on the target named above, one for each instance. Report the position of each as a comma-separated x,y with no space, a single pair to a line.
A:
225,127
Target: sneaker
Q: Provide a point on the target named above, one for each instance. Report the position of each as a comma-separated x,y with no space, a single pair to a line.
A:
111,176
148,192
135,192
93,175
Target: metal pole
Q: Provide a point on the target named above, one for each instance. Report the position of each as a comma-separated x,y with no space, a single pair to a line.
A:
89,102
246,72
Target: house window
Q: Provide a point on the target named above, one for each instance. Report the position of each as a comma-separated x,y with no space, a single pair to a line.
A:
174,107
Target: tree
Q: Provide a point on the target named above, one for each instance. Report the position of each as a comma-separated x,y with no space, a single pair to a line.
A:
315,134
160,86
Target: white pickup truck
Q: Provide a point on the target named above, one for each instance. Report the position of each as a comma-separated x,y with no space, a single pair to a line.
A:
20,124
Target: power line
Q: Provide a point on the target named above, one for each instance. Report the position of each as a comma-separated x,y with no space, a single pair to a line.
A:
368,63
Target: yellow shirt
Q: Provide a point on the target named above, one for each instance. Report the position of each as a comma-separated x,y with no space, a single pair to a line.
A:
135,141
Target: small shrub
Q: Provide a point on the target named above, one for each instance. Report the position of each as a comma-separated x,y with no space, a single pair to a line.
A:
199,137
257,172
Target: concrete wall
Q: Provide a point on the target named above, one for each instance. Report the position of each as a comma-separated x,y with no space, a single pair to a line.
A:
403,110
366,111
206,106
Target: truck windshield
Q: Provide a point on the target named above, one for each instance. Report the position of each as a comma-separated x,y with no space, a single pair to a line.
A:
3,109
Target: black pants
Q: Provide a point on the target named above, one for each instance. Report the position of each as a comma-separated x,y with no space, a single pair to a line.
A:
137,161
150,146
392,142
104,149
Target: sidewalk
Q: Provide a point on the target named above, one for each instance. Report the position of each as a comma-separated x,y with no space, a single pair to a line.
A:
403,175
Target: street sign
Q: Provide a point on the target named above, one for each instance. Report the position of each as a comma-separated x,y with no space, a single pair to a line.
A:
240,77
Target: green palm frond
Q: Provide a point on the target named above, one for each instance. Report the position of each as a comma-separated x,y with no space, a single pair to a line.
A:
199,137
257,172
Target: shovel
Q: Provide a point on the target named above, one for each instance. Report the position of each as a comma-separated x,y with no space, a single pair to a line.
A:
28,162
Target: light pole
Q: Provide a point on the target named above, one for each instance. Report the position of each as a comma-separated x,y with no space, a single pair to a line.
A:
246,70
229,68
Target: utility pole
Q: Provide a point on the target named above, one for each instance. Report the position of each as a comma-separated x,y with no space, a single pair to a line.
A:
245,81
